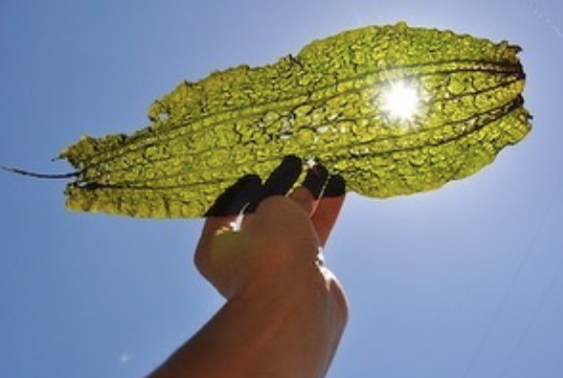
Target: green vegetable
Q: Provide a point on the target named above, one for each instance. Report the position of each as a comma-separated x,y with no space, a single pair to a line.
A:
327,104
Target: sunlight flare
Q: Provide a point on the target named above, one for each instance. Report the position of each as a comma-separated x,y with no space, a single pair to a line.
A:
401,101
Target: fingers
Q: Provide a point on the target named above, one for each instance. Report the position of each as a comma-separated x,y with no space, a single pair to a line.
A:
233,200
335,187
324,211
284,177
329,206
280,182
316,180
227,207
308,194
248,192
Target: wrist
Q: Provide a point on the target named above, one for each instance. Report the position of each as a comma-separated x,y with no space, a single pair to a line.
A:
309,288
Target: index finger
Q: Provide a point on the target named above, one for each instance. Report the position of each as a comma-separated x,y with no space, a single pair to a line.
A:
230,204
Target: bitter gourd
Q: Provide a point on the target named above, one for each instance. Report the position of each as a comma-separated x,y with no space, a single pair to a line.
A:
325,104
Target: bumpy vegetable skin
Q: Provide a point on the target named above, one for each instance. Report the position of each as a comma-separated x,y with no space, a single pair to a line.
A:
325,104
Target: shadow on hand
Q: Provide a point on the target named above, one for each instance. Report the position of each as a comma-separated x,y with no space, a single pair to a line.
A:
248,192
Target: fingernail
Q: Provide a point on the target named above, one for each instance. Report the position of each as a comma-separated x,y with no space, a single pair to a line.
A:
233,200
335,187
315,180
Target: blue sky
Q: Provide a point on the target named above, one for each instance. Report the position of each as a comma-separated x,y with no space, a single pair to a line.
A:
466,281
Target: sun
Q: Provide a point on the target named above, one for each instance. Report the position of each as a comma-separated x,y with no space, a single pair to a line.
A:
401,101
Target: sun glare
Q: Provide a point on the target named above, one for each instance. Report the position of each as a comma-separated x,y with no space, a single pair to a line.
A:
401,101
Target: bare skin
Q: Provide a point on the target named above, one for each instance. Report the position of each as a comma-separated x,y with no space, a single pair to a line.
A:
285,312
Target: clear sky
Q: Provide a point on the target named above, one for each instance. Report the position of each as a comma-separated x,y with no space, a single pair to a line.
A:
465,281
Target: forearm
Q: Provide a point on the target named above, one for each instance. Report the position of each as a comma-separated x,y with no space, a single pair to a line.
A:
288,330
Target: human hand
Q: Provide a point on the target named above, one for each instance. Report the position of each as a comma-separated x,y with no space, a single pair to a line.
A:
281,237
285,312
